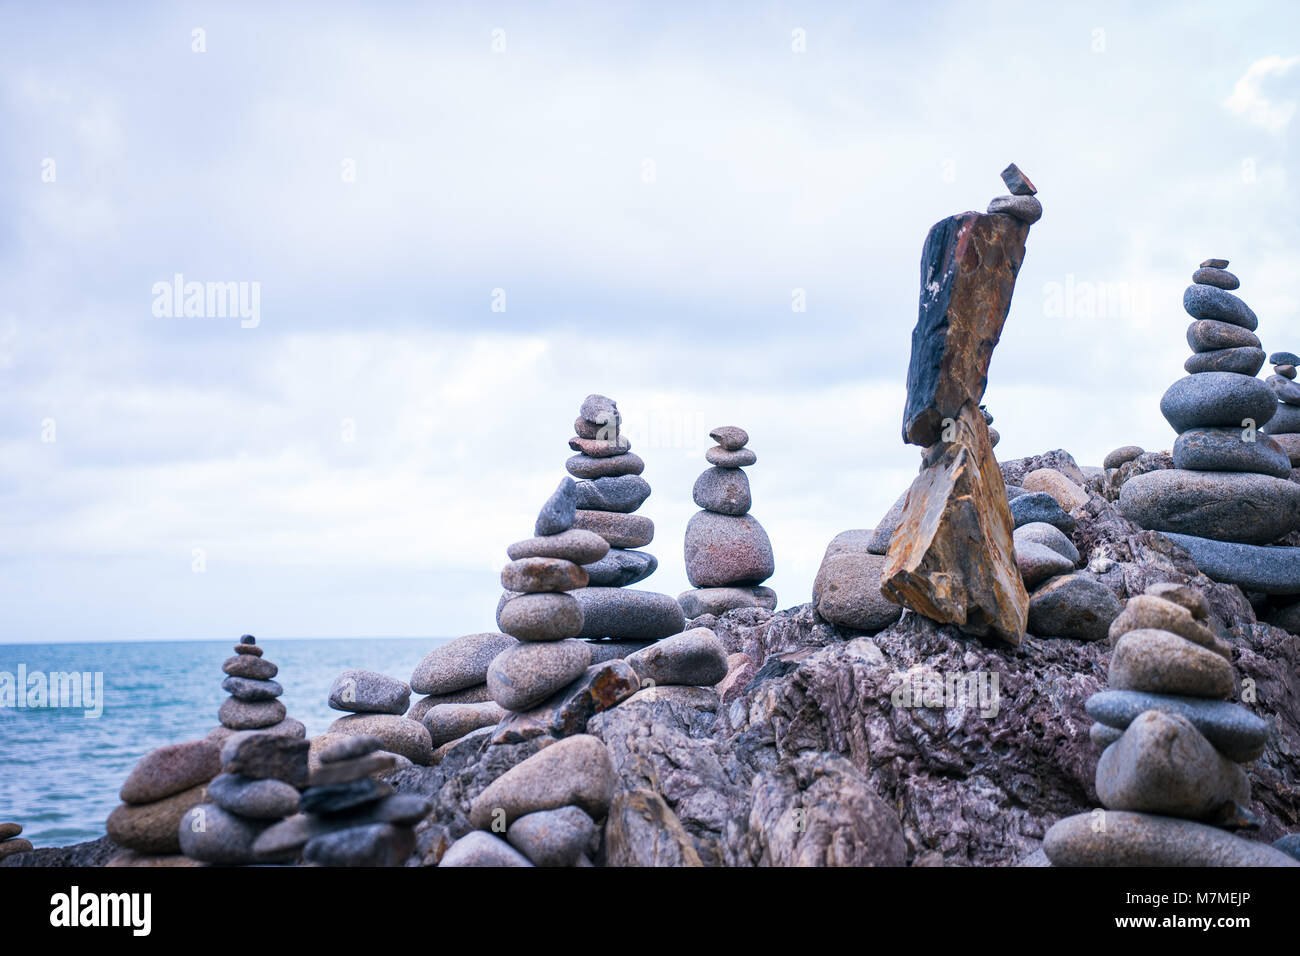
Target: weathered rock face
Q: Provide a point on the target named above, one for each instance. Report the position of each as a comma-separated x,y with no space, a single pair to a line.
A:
952,557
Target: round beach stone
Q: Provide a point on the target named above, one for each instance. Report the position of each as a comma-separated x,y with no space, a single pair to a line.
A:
479,848
448,722
1163,764
620,530
1285,421
10,830
1284,358
214,835
584,466
730,437
535,575
700,601
1214,264
1286,371
1184,595
459,664
1050,536
1208,335
285,728
1218,278
1164,663
542,617
553,837
245,689
249,714
1224,506
624,494
259,799
576,771
168,770
1234,731
340,798
1243,361
346,771
1122,454
601,447
477,694
1066,493
600,410
1123,838
1272,570
694,657
626,614
369,692
847,591
722,458
1072,605
1025,208
343,748
253,668
620,568
1036,506
722,490
723,550
580,547
373,844
1145,612
1225,449
1103,736
556,514
1290,445
399,735
1037,562
152,827
258,754
1217,398
1285,389
526,674
1207,302
250,649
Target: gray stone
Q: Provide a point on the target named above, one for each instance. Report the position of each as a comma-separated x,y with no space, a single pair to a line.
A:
477,694
262,755
694,657
1050,536
336,798
847,591
350,748
700,601
583,466
163,772
730,437
1072,605
602,651
482,849
10,830
264,799
1289,844
552,837
1216,277
1037,562
1152,612
1119,456
1025,208
1017,183
1184,595
1225,449
1208,335
249,715
625,493
1234,731
399,735
557,513
1226,506
369,692
525,675
1207,302
1039,506
620,568
620,530
599,688
152,827
722,458
1104,736
628,614
1164,663
609,447
878,542
1122,838
580,547
375,844
722,490
453,721
213,835
1243,361
537,575
1284,358
600,410
243,688
1272,570
459,664
1285,421
246,665
1162,764
723,550
346,771
575,771
1286,390
542,617
1217,398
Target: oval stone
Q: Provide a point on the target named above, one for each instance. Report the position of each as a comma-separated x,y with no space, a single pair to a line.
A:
1207,302
584,466
1224,449
1206,335
724,550
546,617
1219,278
1164,663
533,575
1225,506
526,674
459,664
730,437
624,493
620,530
1243,361
620,568
1217,399
723,491
723,458
1236,732
369,692
251,715
627,614
576,545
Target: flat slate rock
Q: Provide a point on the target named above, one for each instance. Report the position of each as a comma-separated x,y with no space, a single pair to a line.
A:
621,567
628,614
459,664
262,755
1207,302
1234,731
1224,449
1223,399
1226,506
1273,570
1123,838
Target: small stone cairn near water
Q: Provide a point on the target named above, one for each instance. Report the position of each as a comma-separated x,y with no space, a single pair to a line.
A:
252,704
1170,775
162,787
728,554
10,840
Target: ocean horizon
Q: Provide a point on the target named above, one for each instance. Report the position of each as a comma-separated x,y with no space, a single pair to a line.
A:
62,766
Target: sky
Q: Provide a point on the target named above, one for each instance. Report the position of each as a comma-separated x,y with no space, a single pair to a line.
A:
460,220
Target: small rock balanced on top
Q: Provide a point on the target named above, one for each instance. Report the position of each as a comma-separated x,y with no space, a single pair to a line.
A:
1170,775
1022,203
252,704
1284,426
728,554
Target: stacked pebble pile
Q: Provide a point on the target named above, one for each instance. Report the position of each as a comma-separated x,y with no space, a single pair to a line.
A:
1229,481
162,787
544,811
1170,775
376,704
11,842
1284,427
728,554
454,678
610,489
1022,203
252,704
261,774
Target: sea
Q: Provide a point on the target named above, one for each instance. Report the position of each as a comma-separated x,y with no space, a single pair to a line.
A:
61,769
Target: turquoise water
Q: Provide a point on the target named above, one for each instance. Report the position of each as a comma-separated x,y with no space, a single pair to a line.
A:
60,771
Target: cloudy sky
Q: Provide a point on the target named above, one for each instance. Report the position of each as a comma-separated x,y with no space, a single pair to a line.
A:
461,220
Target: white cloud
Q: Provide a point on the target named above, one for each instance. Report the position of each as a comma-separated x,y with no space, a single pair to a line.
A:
1248,98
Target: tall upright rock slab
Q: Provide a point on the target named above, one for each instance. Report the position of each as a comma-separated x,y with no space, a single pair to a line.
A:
951,558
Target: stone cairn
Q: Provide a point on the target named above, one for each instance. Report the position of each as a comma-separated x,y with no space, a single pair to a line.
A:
728,554
261,774
609,490
376,704
348,818
162,787
1228,492
1284,427
252,704
454,678
1170,775
11,842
